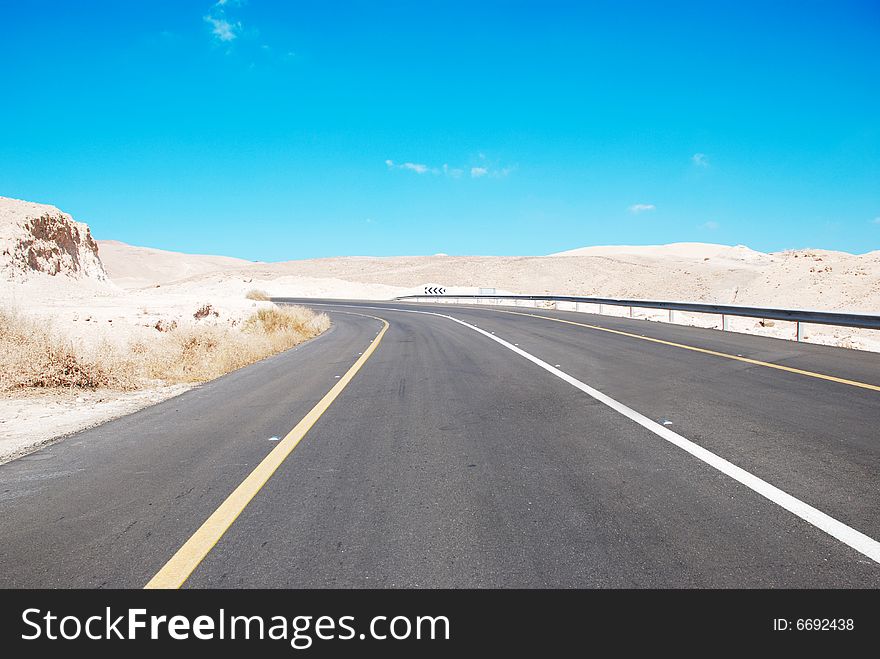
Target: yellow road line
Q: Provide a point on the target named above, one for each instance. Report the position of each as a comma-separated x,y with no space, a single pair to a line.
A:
177,570
747,360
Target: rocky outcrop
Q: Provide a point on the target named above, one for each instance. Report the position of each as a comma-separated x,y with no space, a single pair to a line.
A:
36,238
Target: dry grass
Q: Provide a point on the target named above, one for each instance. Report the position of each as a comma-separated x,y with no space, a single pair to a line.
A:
257,294
32,356
197,354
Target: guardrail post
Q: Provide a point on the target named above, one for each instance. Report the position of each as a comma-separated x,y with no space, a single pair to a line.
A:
799,331
630,312
671,316
600,309
724,324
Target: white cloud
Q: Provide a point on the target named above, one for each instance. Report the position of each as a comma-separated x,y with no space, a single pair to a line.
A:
711,225
416,167
223,29
451,172
700,159
641,208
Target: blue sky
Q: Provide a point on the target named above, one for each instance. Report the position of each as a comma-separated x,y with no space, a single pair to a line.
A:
274,131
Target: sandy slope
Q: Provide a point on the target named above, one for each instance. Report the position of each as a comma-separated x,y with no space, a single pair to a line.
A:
136,267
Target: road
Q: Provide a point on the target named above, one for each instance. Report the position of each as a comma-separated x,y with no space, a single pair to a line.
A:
467,451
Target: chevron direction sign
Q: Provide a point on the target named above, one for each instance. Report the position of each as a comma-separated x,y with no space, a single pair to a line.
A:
435,290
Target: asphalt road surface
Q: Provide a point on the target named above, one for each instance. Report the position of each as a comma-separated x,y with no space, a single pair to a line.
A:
503,450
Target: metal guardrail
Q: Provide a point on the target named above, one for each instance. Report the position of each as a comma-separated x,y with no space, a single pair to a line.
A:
859,320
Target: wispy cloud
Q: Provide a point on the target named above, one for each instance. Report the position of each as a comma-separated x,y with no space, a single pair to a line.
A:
700,159
222,28
451,172
641,208
876,220
416,167
454,172
711,225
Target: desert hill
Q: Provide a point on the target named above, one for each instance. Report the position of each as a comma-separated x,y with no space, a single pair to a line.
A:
136,267
39,240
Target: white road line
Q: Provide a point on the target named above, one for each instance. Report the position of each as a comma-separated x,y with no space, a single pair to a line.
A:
846,534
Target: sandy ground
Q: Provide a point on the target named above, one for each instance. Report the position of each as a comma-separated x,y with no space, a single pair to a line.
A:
150,289
31,420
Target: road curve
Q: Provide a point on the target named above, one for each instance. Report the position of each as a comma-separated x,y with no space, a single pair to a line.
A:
450,460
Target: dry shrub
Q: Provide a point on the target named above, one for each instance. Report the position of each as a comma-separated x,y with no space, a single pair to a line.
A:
257,294
33,357
285,327
204,311
165,326
197,354
287,319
